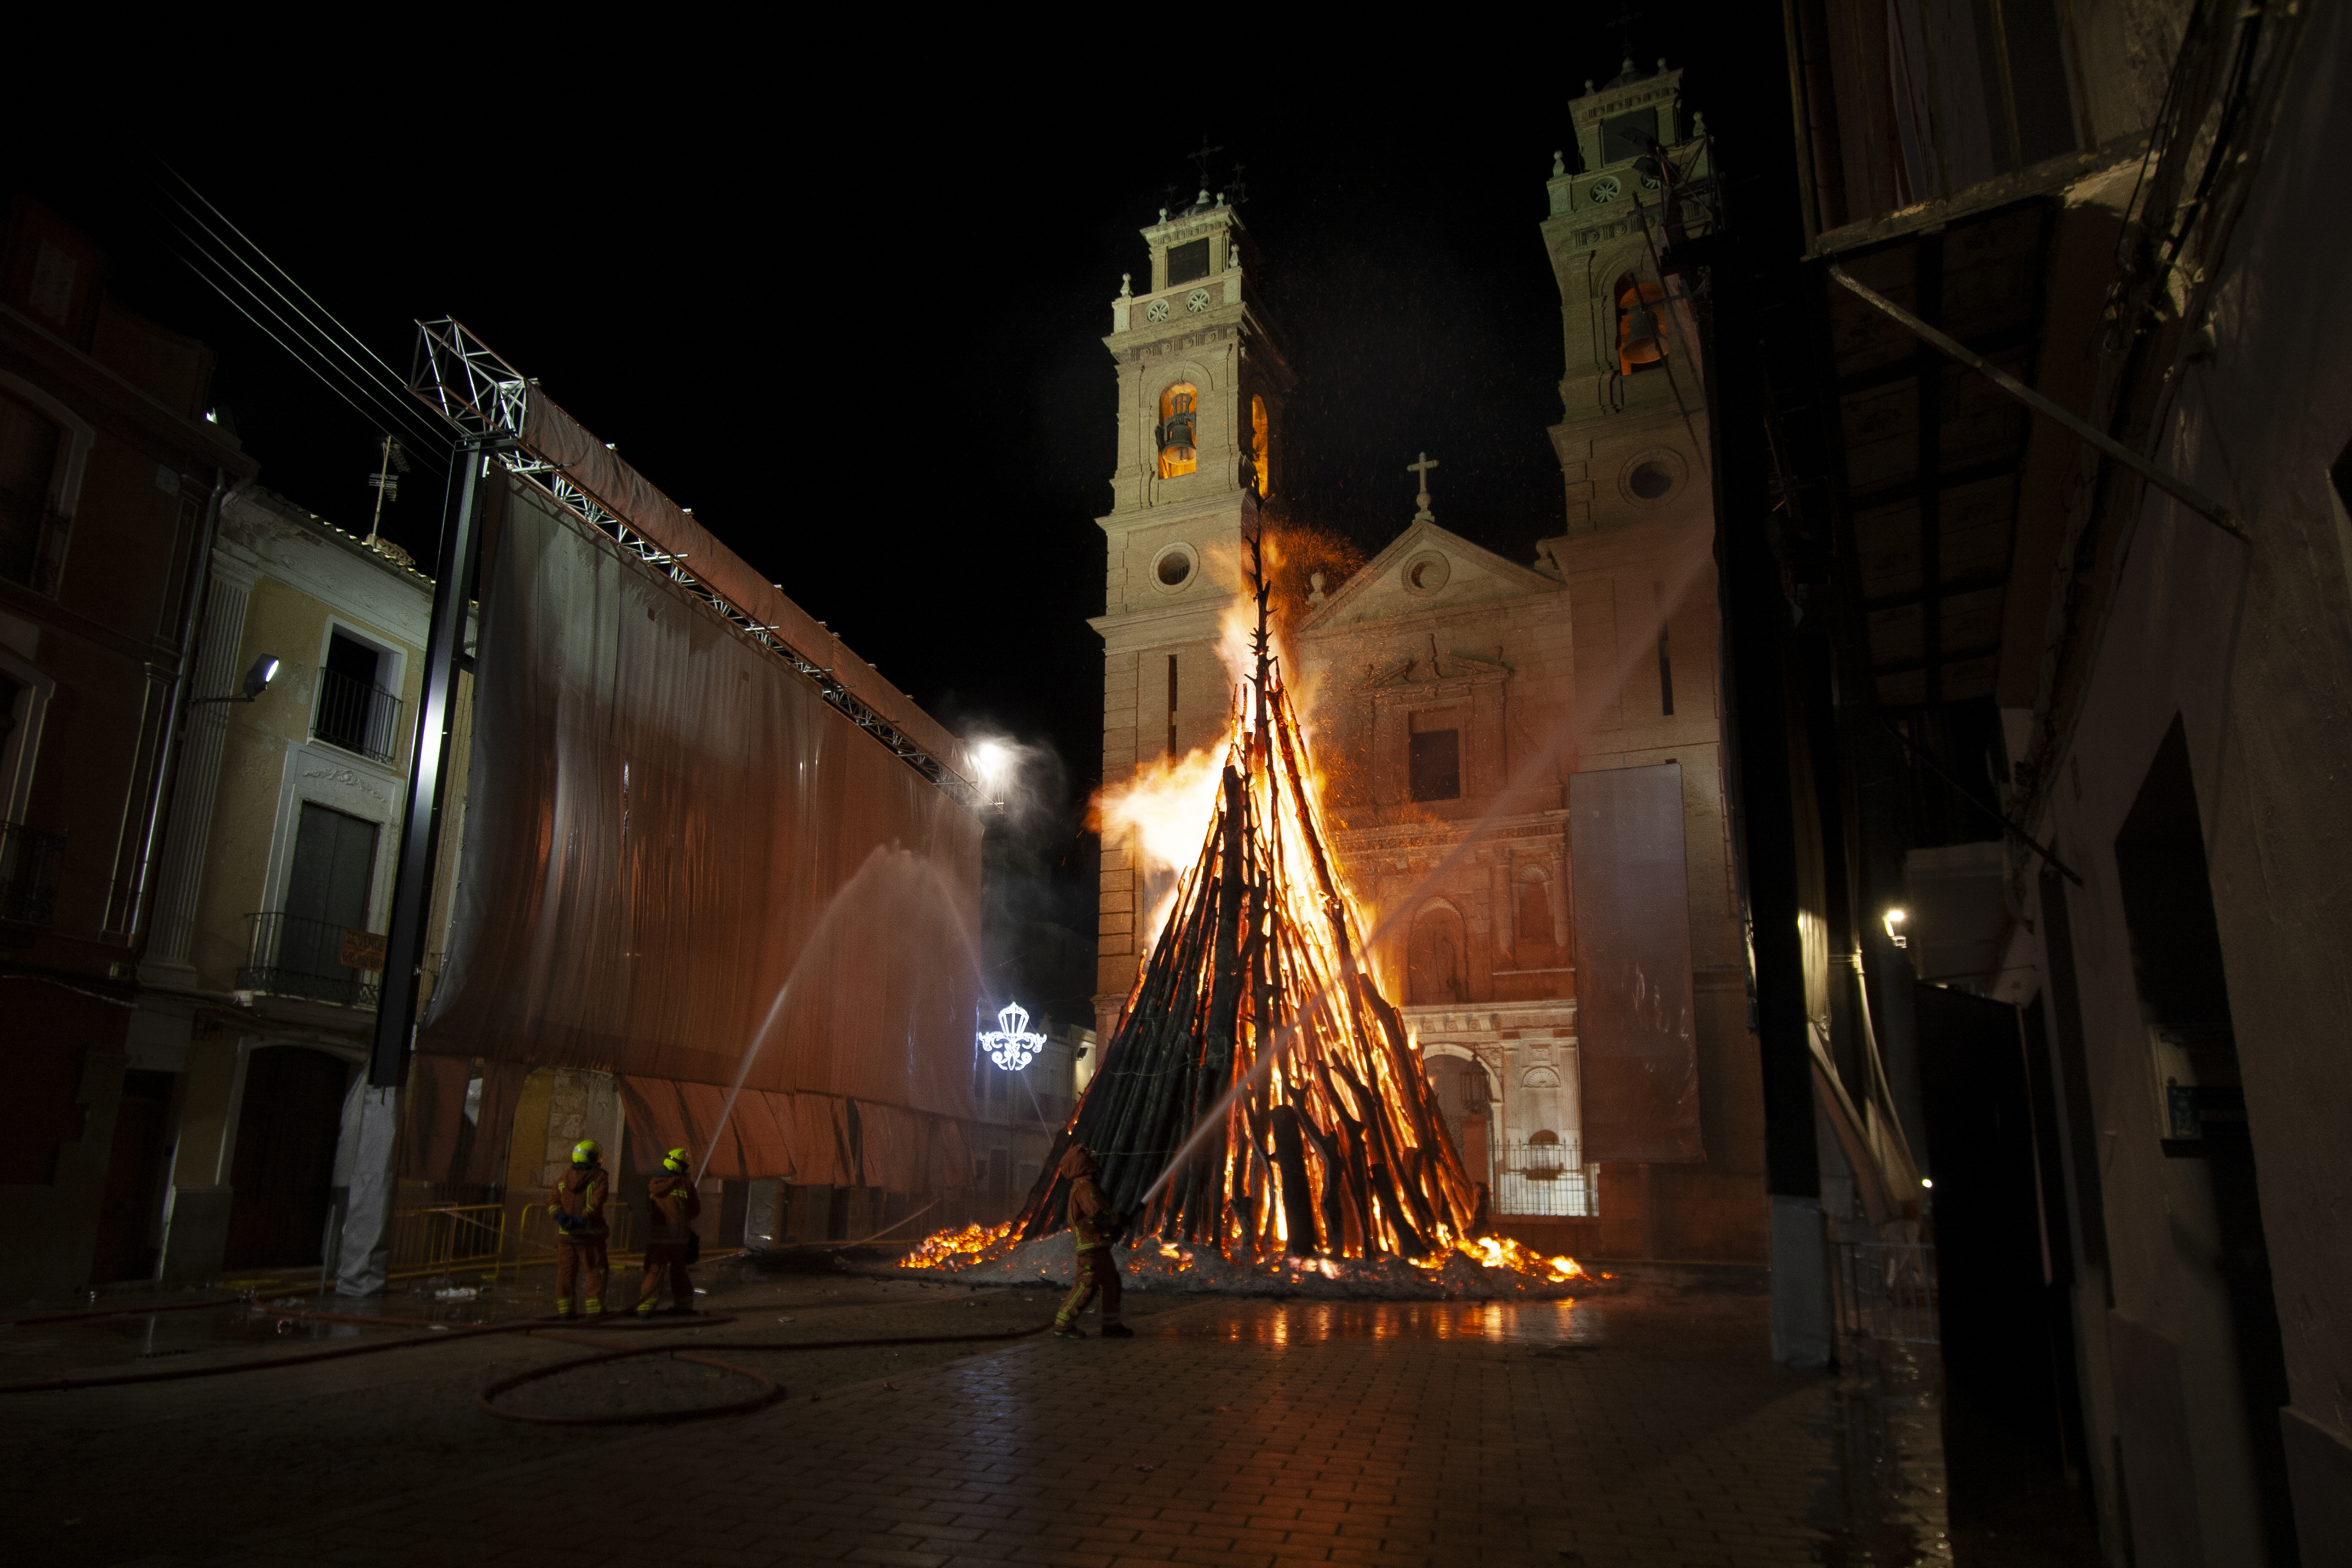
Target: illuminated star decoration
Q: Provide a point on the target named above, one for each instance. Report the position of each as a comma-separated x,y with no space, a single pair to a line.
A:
1011,1046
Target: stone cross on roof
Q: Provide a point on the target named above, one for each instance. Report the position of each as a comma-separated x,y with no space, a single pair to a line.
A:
1421,470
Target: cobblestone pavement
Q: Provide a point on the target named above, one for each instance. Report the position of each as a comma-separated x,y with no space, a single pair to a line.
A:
1643,1429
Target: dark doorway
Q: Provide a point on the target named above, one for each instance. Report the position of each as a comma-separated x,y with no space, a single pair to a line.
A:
2168,894
1462,1098
355,711
2011,1399
130,1217
326,895
292,1115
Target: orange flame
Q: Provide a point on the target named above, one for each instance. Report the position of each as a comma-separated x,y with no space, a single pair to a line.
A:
1158,813
948,1248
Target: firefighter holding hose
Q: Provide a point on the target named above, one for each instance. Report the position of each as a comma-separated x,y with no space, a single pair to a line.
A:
673,1205
1095,1225
577,1204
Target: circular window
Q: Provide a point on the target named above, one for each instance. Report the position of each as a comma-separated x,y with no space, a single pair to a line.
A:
1426,573
1604,189
1652,477
1157,310
1197,300
1173,568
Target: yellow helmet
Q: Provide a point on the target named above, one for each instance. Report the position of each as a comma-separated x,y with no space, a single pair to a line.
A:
676,1161
586,1152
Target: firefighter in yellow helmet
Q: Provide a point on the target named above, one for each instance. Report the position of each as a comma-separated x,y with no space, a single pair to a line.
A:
577,1204
1095,1225
672,1205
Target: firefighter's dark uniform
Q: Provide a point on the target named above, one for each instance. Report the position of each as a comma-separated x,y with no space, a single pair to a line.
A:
672,1205
1094,1225
580,1245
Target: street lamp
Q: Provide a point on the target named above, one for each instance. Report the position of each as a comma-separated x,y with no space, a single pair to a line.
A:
1893,919
256,681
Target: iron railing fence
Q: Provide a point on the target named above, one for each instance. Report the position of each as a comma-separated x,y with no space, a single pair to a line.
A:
1547,1180
357,715
1886,1290
444,1238
292,955
29,863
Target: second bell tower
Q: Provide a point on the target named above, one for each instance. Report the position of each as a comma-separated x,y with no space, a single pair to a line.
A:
1200,388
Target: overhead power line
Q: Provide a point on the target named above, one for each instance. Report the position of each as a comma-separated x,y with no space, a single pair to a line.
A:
262,290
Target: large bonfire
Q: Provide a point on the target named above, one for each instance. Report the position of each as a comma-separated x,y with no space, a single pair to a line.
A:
1260,1109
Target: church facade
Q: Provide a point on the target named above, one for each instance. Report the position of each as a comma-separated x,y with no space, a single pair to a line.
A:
1523,761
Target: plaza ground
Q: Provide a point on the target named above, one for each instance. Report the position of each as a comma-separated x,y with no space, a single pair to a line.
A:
1644,1426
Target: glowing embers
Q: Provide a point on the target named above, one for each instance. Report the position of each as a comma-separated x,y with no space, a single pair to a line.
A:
954,1248
1010,1045
1486,1270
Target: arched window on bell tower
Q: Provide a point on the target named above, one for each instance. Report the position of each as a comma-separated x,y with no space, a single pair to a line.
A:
1641,342
1179,430
1261,445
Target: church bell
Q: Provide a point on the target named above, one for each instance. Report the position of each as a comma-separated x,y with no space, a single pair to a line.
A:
1639,342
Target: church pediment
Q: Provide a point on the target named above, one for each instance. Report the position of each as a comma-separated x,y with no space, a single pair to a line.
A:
1426,568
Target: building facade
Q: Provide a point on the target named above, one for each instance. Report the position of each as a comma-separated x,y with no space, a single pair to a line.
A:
110,475
260,979
1454,698
2069,719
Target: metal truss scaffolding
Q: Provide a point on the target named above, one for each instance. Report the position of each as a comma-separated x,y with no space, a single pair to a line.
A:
460,378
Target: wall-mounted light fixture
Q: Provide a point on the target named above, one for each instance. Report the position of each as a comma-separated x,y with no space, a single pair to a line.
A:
256,681
1893,922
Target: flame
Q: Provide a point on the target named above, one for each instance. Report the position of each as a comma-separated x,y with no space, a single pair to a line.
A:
1502,1252
1467,1266
1158,813
954,1248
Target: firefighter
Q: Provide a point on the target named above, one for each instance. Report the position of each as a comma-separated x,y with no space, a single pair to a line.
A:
1095,1225
671,1205
578,1204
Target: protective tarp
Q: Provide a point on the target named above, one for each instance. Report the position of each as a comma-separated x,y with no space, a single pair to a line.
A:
432,1145
432,1119
1636,1045
551,432
678,855
816,1139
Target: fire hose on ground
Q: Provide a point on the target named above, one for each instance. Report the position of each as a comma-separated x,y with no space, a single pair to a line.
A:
770,1390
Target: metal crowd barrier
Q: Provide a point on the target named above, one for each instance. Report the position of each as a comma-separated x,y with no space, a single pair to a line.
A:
1886,1290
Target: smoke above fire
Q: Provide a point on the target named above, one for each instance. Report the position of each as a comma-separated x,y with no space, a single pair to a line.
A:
1158,813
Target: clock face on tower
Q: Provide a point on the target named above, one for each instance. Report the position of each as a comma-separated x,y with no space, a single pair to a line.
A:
1157,310
1197,302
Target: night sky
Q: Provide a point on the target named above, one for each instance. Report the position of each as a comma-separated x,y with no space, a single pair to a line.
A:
851,313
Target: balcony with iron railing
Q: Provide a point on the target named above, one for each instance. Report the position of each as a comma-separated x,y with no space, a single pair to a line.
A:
29,863
317,961
357,715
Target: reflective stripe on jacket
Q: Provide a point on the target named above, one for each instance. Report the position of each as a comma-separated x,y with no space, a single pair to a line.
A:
1088,1206
672,1205
581,1192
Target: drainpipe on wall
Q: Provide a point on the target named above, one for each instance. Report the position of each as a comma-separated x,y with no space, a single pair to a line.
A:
159,810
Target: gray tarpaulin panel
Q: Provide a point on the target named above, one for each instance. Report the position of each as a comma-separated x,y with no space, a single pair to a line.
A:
681,863
1639,1059
594,468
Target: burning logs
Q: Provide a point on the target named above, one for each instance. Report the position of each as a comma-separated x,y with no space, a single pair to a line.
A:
1259,1096
1260,1112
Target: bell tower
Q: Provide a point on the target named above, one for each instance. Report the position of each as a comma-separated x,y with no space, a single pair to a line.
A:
1642,182
1200,385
